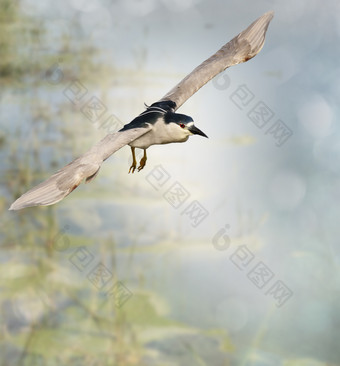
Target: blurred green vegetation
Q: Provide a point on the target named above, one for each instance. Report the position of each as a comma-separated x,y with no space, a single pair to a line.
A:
16,33
25,52
50,312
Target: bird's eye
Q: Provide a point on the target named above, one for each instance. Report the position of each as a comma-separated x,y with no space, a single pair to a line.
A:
182,125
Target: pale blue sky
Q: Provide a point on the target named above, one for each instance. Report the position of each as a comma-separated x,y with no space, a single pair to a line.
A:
282,202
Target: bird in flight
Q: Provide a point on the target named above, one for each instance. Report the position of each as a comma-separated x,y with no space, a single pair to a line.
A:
158,124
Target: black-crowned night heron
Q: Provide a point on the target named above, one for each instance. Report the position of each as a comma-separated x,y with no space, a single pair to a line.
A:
158,124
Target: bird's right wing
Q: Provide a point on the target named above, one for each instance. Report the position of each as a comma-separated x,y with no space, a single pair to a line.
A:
241,48
64,181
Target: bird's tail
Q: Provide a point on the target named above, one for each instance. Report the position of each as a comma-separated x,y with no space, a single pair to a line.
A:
59,185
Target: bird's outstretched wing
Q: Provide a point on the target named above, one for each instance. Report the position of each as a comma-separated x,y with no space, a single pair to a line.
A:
240,49
64,181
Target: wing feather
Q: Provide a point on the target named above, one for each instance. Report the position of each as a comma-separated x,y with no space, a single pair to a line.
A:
67,179
241,48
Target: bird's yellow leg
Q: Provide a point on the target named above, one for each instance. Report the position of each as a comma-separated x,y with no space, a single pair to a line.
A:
142,161
134,162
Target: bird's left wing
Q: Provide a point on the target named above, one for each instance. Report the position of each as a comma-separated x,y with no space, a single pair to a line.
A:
241,48
64,181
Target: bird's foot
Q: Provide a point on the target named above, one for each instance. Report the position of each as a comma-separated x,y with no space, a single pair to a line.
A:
134,162
132,168
142,163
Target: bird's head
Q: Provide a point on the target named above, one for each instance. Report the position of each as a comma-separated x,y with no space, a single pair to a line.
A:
182,126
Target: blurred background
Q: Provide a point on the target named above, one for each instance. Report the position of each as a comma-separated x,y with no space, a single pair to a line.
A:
222,251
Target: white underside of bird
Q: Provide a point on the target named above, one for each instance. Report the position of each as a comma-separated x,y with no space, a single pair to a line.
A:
162,133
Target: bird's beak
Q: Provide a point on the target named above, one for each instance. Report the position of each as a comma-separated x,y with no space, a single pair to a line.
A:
196,131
